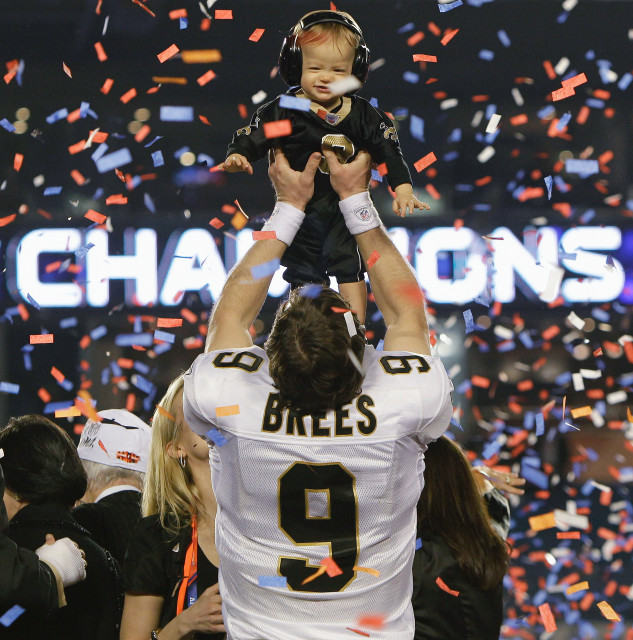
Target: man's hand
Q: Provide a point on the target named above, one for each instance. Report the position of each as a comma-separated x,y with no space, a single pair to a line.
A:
350,178
294,187
237,162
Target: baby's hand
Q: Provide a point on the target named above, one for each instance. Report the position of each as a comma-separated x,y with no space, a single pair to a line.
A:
237,162
405,201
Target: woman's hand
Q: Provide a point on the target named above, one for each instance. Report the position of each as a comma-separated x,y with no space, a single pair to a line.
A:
205,614
503,481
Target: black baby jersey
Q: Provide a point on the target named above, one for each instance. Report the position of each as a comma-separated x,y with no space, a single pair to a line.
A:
323,244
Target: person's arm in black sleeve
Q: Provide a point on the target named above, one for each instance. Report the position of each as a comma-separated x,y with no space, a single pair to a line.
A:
384,147
250,143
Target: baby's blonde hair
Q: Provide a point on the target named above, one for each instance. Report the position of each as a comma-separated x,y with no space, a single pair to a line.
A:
324,31
169,490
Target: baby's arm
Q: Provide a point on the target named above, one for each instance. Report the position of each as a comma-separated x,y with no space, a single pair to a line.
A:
237,162
405,200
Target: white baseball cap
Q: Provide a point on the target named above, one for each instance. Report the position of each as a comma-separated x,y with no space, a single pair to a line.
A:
120,440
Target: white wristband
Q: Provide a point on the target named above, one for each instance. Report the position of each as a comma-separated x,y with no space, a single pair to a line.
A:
66,557
285,221
359,213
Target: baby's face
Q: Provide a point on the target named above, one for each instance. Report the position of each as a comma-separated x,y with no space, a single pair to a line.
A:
323,64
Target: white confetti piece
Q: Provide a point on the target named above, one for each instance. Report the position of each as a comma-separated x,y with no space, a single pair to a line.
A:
493,123
345,85
486,153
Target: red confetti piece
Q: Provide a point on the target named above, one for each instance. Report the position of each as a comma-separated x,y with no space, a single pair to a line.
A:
568,535
360,633
424,162
117,198
216,223
95,216
440,583
242,110
168,53
67,71
433,192
177,13
581,78
277,129
128,95
41,338
561,94
373,258
169,322
44,395
448,36
17,161
382,169
421,57
256,35
331,568
205,120
376,621
547,617
140,4
142,133
205,78
549,69
339,309
77,177
264,235
7,220
107,85
415,38
57,374
101,54
224,14
77,147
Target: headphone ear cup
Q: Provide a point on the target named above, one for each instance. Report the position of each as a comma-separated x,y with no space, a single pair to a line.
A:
290,61
360,67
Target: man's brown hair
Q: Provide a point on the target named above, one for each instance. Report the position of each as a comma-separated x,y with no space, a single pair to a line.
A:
308,348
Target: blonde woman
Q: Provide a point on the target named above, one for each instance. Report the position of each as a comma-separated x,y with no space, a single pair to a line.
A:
171,565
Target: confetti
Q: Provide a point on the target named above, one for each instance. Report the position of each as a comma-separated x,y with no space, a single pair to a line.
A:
206,77
277,129
608,612
371,572
449,6
292,102
10,616
216,437
548,617
229,410
440,583
349,321
256,35
272,581
421,57
170,52
44,338
425,162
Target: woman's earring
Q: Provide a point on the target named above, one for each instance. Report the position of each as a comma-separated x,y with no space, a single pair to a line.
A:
183,461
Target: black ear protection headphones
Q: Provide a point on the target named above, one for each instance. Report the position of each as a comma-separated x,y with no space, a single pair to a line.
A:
290,58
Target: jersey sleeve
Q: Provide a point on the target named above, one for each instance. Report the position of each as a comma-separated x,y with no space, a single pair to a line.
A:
383,144
202,382
250,141
437,394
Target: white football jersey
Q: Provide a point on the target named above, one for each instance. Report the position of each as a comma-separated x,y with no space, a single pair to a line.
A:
295,489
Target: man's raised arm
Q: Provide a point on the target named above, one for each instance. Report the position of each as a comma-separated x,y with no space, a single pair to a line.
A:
243,293
392,280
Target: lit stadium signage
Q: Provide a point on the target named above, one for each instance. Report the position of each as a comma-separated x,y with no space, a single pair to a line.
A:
454,266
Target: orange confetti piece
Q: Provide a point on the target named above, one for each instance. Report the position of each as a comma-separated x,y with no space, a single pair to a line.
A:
128,95
41,338
421,57
17,161
561,94
448,36
277,129
169,322
360,633
224,14
140,4
77,147
57,374
77,177
548,617
581,412
117,198
44,395
373,258
95,216
480,381
101,54
579,586
256,35
319,572
206,77
201,56
130,402
376,621
189,316
608,612
168,53
264,235
177,13
229,410
165,413
216,223
568,535
7,219
67,71
433,192
415,38
543,521
70,412
142,133
519,119
424,162
373,572
331,568
442,585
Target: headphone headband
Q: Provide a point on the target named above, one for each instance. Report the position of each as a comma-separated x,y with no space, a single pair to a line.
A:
319,17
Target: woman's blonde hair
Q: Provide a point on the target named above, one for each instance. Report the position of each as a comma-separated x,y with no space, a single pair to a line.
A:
169,490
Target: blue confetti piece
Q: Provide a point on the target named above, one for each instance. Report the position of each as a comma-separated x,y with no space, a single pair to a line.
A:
84,109
376,176
10,616
99,151
30,298
381,345
142,383
184,23
456,135
564,119
456,424
51,407
485,302
66,385
374,102
157,158
464,187
52,191
176,114
216,437
448,7
561,18
506,345
180,151
165,336
561,185
138,324
411,77
149,203
114,160
98,332
545,112
9,387
116,369
134,182
292,102
310,290
549,183
450,156
536,477
416,127
66,323
129,339
57,115
594,103
540,424
82,251
625,81
490,449
468,319
503,37
486,54
418,543
583,167
265,269
272,581
5,124
141,367
149,144
162,347
407,27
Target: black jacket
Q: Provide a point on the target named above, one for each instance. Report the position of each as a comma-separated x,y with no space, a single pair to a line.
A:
94,606
474,614
112,520
24,580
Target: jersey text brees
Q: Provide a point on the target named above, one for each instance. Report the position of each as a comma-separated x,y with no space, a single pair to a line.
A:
301,424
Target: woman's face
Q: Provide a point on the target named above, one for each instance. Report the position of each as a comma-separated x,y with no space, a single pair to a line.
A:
192,445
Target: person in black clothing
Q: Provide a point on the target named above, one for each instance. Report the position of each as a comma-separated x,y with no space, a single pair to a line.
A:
325,47
171,566
31,582
463,521
44,478
114,452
